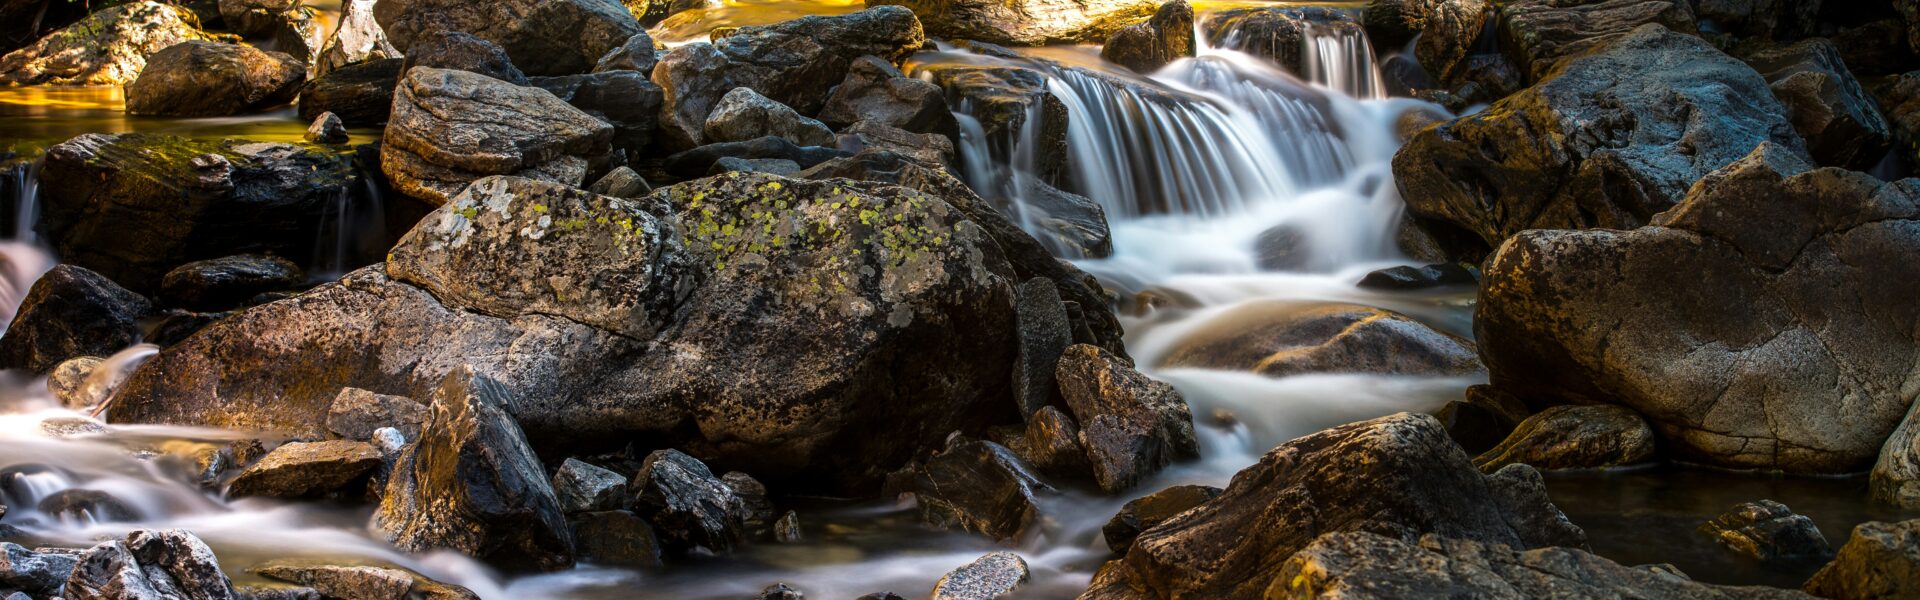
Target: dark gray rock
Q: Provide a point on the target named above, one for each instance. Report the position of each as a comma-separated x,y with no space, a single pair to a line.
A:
757,508
1484,419
787,529
688,506
1130,425
451,127
1841,123
223,283
622,182
327,129
541,37
1070,224
355,414
211,79
1574,437
698,162
627,100
1444,275
1148,45
582,487
446,49
71,312
635,54
995,575
769,166
149,565
616,538
933,150
360,94
1771,533
1447,30
1145,512
307,469
35,572
780,591
1045,333
979,487
1278,34
743,114
874,90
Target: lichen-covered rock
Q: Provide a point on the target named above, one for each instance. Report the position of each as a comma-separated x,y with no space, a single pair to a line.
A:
226,282
1278,340
1841,123
743,114
306,469
109,47
876,91
360,93
357,38
1145,512
1614,137
1131,426
1026,22
1539,34
688,506
451,127
995,575
979,487
1784,351
1574,437
149,565
583,487
472,485
356,413
210,79
1447,30
1880,561
353,581
444,49
1148,45
1771,533
543,37
68,313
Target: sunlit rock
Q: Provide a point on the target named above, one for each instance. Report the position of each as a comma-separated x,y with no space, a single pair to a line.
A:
356,39
354,581
1131,426
1771,533
306,469
1574,437
1148,45
1281,339
543,37
1880,560
1026,22
109,47
451,127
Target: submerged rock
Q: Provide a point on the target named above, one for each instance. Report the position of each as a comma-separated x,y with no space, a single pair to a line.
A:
360,94
210,79
109,47
995,575
227,282
1840,122
743,114
1880,560
543,37
71,312
306,469
1146,512
1131,426
449,128
1771,533
1026,22
1539,34
979,487
1148,45
1279,339
1574,437
360,581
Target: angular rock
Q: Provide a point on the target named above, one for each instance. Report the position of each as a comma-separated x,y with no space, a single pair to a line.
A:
327,129
1447,30
1895,478
928,148
780,591
471,484
254,17
109,47
226,282
787,529
1397,474
1051,444
149,564
785,62
34,572
1539,34
616,538
1420,278
1615,137
1279,340
627,100
583,487
71,312
1880,560
690,507
1574,437
995,575
769,166
743,114
1783,351
357,38
297,33
1070,224
1771,533
874,90
1841,123
356,413
1484,419
636,54
1131,426
211,79
1146,512
979,487
360,581
757,508
1148,45
1026,22
360,94
443,49
1045,334
306,469
542,37
622,182
451,127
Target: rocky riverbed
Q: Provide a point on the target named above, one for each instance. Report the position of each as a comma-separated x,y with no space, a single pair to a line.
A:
967,299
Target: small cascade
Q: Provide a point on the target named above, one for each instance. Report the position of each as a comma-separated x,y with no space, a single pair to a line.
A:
353,232
22,195
1341,58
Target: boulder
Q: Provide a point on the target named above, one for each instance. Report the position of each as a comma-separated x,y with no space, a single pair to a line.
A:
1278,34
212,79
149,565
931,149
1282,339
1539,34
979,487
995,575
1615,137
447,49
1880,560
1841,123
582,487
356,413
688,506
622,182
1574,437
1148,45
71,312
875,91
1397,475
227,282
543,38
357,38
1366,564
786,62
360,94
1770,532
472,485
627,100
1447,30
109,47
1131,426
327,129
1045,333
616,538
254,18
1146,512
306,469
744,114
635,54
1026,22
1783,350
217,199
451,127
39,573
351,581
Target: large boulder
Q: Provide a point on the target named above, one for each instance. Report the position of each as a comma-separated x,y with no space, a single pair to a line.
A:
451,127
210,79
1539,34
1148,45
359,94
1574,437
1026,22
1447,30
135,206
472,485
1785,349
1880,561
71,312
357,38
786,62
1131,426
1282,339
543,37
1398,476
109,47
1841,123
1615,137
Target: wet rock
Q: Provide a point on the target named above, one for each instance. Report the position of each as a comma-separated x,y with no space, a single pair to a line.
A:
226,282
636,54
357,38
210,79
927,148
1051,444
360,581
458,51
149,564
995,575
1368,564
1744,367
700,161
306,469
1003,98
1574,437
1445,275
756,507
979,487
355,414
875,91
1539,34
298,34
622,182
787,529
690,507
1045,333
451,127
1026,22
627,100
1840,122
359,94
34,572
1283,247
582,487
1484,419
1279,340
1447,30
1277,34
769,166
1071,224
1398,474
109,47
1770,532
1880,560
327,129
1616,165
71,312
786,62
780,591
471,484
1131,426
254,18
1148,511
68,382
220,198
616,538
743,114
541,38
1148,45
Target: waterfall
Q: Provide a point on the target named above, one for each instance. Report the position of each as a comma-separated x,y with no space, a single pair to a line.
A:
23,194
1341,58
352,233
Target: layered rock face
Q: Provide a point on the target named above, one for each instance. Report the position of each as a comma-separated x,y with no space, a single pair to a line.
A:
451,127
1784,350
1026,22
543,38
109,47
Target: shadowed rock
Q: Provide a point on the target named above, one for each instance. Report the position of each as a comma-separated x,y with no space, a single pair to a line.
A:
1131,426
543,37
360,94
71,312
1574,437
1769,532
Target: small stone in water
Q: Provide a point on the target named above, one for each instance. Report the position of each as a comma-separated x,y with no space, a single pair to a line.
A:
305,469
81,504
327,129
1771,532
582,487
68,381
781,591
992,576
787,529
